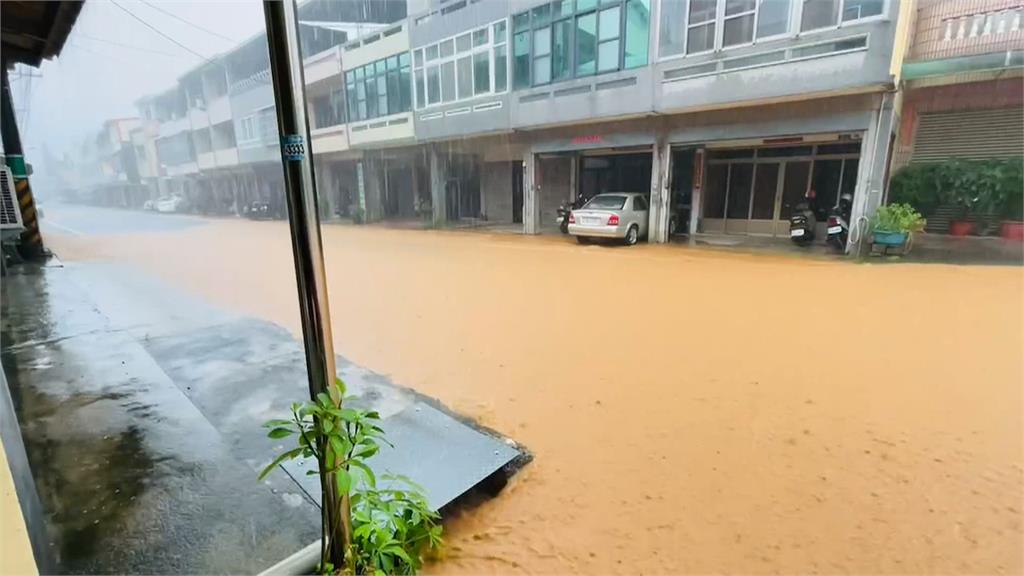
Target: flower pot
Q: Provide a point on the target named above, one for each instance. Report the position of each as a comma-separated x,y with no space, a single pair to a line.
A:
886,238
1011,230
961,227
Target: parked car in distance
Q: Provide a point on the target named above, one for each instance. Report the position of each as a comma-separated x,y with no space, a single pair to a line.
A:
612,215
173,203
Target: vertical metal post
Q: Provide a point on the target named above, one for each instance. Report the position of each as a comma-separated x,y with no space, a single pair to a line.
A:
300,192
307,248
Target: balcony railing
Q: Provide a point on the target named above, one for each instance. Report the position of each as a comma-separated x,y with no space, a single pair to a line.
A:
967,28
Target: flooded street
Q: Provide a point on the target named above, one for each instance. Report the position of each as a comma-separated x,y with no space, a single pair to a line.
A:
688,410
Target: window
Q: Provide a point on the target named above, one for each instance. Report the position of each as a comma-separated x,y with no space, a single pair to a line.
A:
380,88
542,56
819,14
465,66
639,204
328,109
700,33
772,18
638,24
856,9
566,39
738,25
586,44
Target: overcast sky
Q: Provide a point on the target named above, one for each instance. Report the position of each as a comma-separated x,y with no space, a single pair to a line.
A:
111,59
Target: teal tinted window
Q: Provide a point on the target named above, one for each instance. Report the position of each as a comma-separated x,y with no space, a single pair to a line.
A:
638,25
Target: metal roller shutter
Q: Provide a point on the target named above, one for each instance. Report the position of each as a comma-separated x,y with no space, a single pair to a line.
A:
975,135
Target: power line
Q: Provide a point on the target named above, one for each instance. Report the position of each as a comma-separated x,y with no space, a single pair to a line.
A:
192,24
129,46
157,30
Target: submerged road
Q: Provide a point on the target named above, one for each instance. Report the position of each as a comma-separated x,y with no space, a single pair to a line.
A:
690,410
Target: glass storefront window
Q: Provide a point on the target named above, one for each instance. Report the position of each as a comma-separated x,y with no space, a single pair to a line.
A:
586,44
561,58
521,60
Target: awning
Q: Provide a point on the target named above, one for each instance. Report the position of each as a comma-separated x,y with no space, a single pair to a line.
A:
33,31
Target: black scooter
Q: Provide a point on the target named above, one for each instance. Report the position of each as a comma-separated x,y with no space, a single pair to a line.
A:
563,213
802,223
838,226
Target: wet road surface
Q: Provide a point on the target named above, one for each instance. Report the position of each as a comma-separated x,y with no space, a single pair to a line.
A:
690,410
83,220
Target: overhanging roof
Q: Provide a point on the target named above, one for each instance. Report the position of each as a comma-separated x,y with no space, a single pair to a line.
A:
33,31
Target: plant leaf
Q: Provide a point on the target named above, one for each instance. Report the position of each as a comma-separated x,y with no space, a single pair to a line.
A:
278,433
371,479
285,456
343,480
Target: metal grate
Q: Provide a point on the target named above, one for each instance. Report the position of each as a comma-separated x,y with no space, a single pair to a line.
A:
10,216
972,135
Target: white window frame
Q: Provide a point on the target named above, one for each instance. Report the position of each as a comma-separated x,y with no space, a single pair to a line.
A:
793,32
247,131
487,48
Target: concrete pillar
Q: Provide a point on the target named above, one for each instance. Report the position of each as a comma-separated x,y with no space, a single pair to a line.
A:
417,202
696,195
574,172
874,154
531,192
373,171
661,164
360,213
438,181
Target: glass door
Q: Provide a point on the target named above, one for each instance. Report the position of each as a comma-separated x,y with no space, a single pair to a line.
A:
796,178
762,204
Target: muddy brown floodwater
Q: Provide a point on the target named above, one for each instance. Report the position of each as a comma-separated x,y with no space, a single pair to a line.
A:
690,410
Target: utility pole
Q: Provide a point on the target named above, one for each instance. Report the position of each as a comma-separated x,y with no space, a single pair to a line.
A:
307,249
31,245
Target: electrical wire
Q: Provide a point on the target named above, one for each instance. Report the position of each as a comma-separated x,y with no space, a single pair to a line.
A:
192,24
129,46
157,30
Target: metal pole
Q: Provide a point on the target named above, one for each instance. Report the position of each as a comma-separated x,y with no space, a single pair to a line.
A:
307,248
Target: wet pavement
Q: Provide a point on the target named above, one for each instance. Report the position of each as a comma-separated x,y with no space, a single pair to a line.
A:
140,410
82,220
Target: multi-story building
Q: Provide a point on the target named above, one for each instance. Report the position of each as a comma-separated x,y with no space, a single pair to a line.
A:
727,112
963,94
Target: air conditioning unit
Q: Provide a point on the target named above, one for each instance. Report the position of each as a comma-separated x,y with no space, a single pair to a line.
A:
10,214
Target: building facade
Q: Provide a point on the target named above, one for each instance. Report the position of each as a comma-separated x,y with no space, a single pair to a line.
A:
494,112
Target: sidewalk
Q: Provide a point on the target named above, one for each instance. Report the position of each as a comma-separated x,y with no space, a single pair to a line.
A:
16,556
140,409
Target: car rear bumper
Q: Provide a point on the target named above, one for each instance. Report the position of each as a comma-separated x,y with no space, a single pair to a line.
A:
597,231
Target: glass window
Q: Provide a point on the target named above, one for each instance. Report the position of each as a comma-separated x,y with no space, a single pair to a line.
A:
734,7
542,56
772,18
584,5
521,63
608,28
561,8
499,32
766,180
819,14
464,77
521,22
431,52
393,63
608,56
541,15
371,97
702,10
561,57
448,81
500,68
421,91
639,203
638,24
607,202
433,85
586,44
542,42
480,37
403,59
404,90
419,57
700,35
382,95
854,9
738,30
446,48
481,73
672,28
463,43
825,184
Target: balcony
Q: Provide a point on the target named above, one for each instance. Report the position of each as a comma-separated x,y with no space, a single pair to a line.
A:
175,126
199,118
226,157
219,110
376,47
323,66
396,129
330,139
206,161
967,28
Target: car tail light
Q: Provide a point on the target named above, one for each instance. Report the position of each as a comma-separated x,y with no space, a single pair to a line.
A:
833,221
613,220
572,218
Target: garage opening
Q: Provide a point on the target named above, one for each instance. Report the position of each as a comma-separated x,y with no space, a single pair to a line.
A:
614,171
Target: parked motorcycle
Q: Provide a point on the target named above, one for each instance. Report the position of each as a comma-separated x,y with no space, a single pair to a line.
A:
258,210
838,226
563,213
802,223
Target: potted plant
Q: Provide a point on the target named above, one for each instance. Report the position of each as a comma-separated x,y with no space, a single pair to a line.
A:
895,223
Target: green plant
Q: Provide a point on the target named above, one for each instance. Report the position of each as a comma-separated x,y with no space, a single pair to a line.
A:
976,186
898,218
371,529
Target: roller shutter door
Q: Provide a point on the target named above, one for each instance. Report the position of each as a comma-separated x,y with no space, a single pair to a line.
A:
975,135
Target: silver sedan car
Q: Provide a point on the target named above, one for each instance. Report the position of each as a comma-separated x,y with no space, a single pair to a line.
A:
620,215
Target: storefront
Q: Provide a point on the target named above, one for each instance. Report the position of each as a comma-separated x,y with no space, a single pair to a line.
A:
754,190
